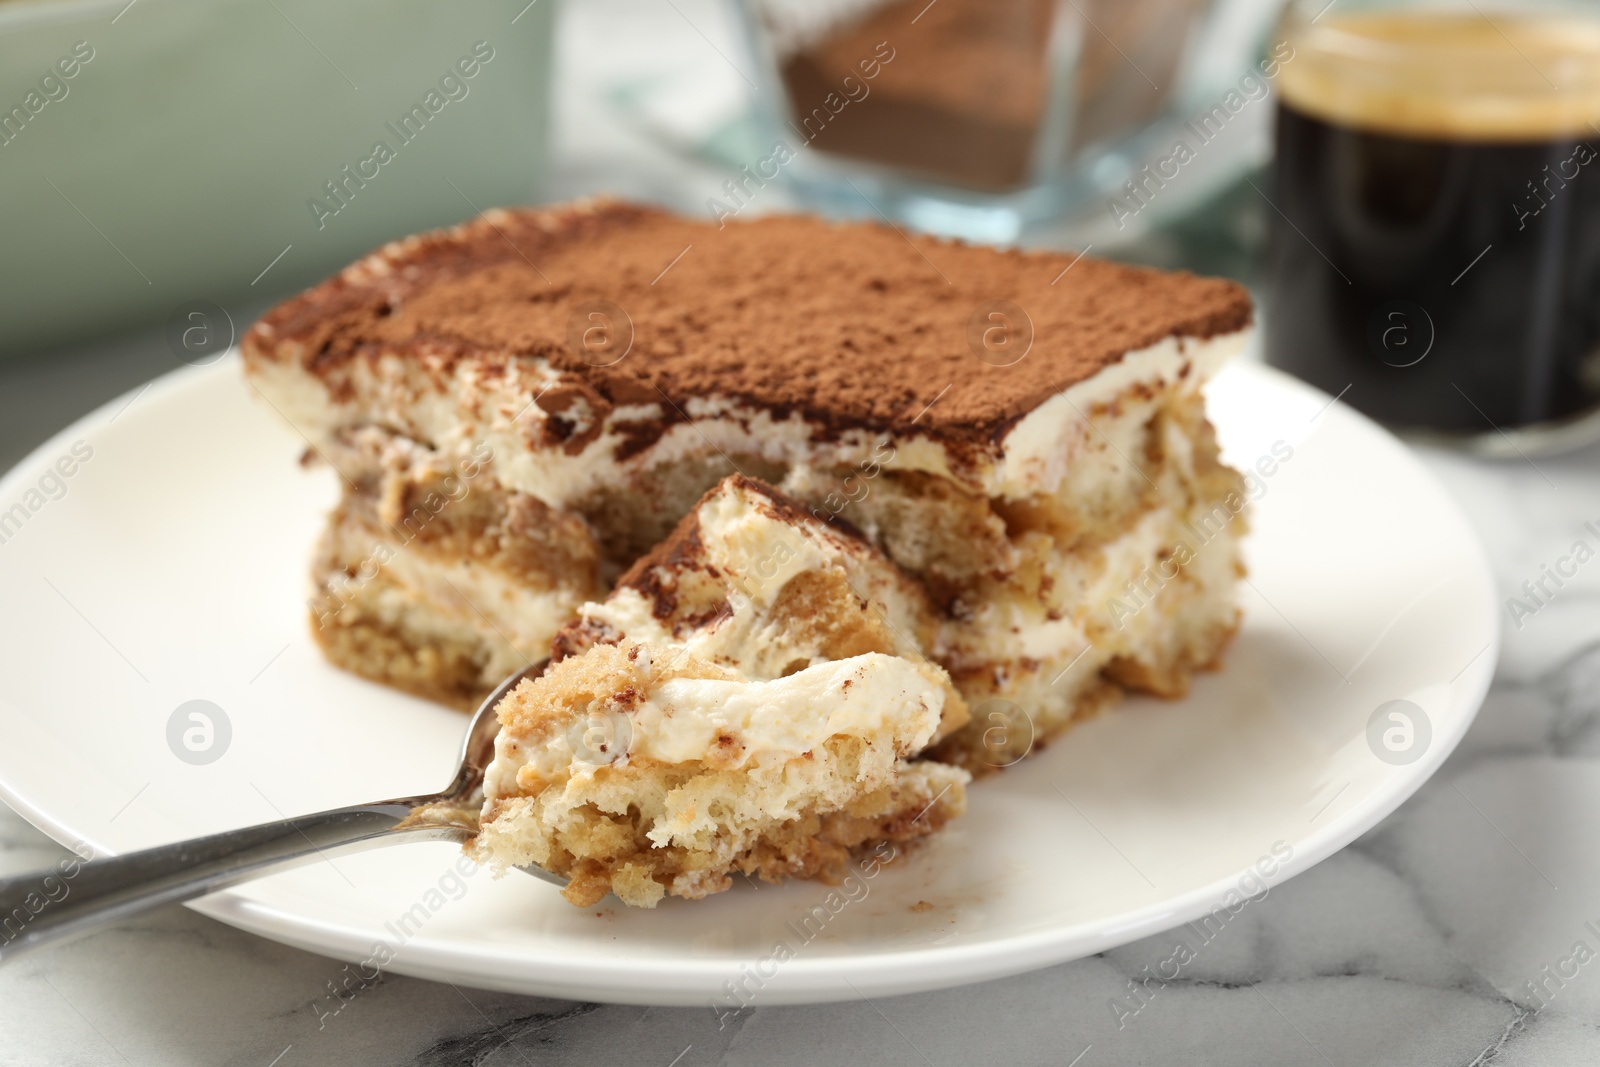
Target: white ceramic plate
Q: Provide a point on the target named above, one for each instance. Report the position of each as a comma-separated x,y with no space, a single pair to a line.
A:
171,568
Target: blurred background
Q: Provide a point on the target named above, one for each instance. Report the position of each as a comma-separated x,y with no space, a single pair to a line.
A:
169,168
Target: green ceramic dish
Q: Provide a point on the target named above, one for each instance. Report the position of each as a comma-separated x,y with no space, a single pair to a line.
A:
163,152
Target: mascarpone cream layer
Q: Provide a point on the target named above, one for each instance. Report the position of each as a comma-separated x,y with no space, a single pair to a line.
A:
455,409
478,599
878,698
1104,587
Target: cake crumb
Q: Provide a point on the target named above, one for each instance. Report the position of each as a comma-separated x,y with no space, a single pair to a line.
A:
921,906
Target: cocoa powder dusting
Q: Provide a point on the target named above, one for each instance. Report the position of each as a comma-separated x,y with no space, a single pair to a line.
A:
850,325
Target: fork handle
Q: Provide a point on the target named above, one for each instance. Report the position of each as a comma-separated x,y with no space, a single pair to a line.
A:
77,895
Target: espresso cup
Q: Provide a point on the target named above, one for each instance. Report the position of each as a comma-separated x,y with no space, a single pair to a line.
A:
1435,259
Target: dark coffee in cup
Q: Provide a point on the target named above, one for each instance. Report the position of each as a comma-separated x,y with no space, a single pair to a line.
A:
1436,257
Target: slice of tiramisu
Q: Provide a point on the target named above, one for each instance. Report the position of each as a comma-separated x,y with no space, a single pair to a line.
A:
1023,434
747,700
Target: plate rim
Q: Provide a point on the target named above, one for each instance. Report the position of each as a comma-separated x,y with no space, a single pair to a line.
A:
804,980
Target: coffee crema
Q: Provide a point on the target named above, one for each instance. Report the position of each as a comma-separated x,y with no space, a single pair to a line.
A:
1442,260
1450,77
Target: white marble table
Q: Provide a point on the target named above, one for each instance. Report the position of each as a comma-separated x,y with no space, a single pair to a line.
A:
1440,937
